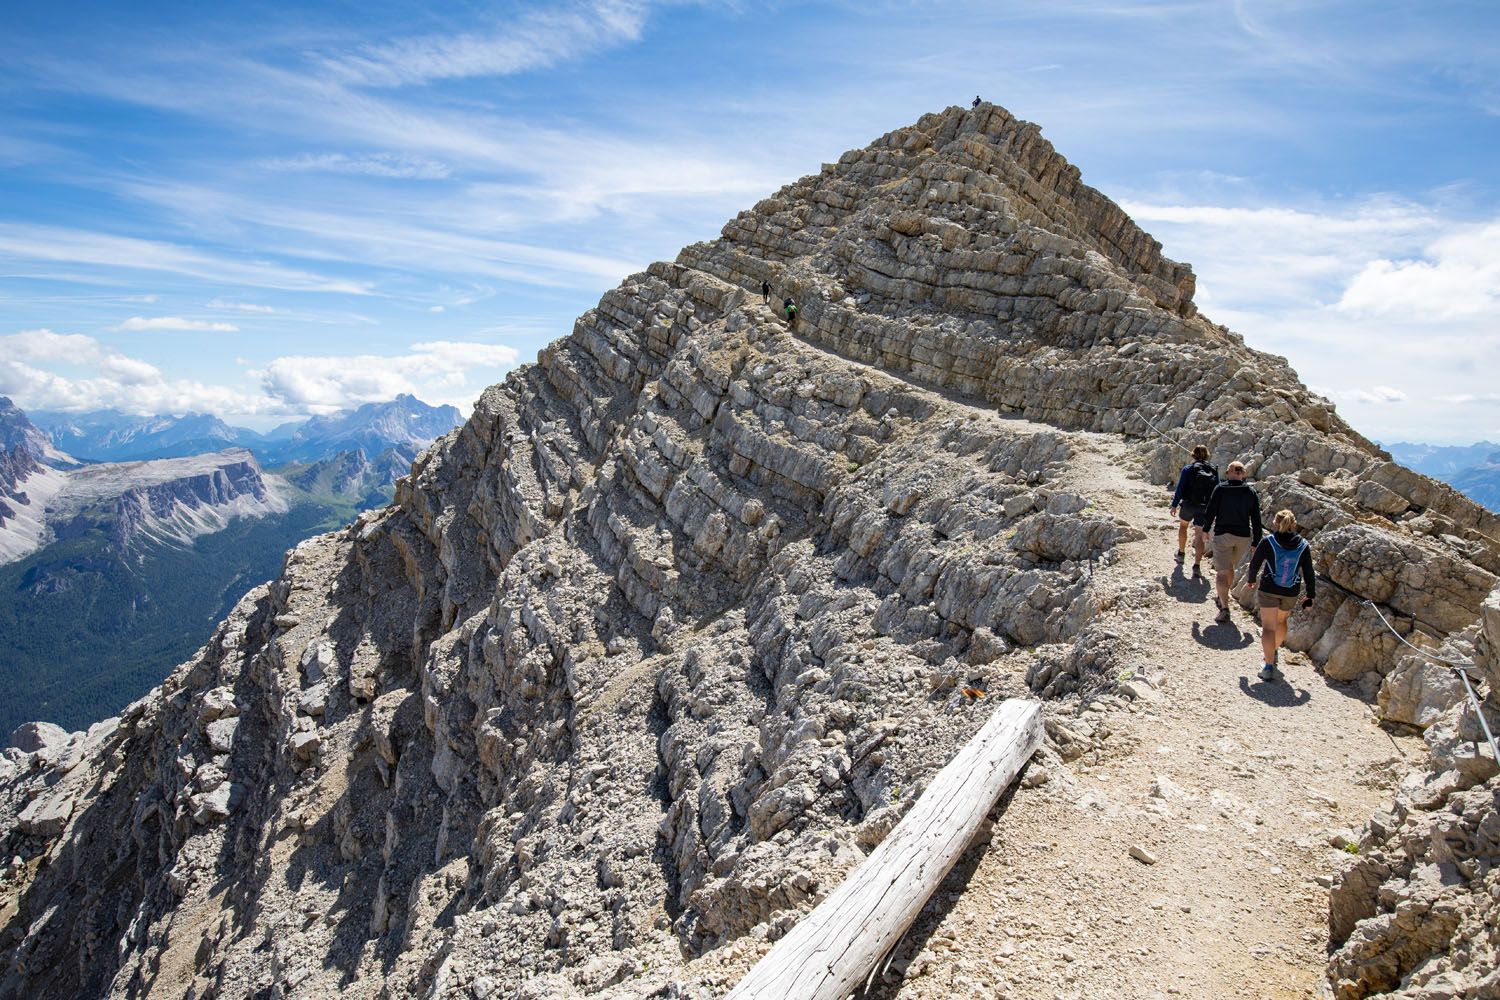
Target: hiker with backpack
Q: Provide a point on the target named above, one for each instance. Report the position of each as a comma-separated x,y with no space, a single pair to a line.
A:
1195,484
1287,561
1233,518
791,311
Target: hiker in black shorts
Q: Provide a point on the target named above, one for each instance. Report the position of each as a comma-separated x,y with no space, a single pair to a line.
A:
790,308
1233,518
1287,559
765,292
1195,484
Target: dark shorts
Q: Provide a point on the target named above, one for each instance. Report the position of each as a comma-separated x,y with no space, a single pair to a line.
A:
1280,602
1191,512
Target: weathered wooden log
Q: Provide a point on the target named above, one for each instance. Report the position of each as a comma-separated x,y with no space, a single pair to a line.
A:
832,950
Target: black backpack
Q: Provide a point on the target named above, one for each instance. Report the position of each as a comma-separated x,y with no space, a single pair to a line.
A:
1202,478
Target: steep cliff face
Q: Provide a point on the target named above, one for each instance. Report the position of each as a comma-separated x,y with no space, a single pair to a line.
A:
27,482
649,652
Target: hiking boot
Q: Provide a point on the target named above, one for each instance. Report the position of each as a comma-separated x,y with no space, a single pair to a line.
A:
1197,572
1181,555
1223,616
1268,673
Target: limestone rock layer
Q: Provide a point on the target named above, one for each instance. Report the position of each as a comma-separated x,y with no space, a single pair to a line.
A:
656,646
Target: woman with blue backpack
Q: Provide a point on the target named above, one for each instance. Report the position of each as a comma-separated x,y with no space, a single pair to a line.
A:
1286,559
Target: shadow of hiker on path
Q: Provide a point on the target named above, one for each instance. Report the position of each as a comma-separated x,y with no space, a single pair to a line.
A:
1277,694
1184,588
1226,637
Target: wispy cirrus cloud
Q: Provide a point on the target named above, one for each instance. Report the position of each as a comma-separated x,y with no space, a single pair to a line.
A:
23,243
536,39
388,165
137,323
247,307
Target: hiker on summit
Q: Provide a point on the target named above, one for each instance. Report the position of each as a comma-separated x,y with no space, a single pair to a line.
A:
765,292
977,101
1195,484
1287,559
1233,517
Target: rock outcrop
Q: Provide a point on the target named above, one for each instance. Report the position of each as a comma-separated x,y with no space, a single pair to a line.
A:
1418,914
656,646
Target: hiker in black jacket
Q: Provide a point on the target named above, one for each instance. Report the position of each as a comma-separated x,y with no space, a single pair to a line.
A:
1195,484
1233,518
1287,559
765,292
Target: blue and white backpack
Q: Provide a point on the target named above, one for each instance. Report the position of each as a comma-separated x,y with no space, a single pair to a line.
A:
1286,564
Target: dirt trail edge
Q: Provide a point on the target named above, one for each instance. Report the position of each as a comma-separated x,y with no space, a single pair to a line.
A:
1189,857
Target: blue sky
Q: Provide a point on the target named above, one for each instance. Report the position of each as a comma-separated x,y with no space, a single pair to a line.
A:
267,210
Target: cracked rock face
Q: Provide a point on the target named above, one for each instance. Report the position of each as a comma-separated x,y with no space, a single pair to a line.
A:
650,652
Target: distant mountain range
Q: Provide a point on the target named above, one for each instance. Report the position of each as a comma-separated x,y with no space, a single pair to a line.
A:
405,422
123,538
1473,468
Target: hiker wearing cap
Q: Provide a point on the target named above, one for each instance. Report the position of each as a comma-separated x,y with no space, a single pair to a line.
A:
765,292
1195,485
1232,517
1287,561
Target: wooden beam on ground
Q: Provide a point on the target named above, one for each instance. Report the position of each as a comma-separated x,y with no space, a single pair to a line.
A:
833,950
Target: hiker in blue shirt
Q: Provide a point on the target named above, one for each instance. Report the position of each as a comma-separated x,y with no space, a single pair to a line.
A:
1287,561
1195,484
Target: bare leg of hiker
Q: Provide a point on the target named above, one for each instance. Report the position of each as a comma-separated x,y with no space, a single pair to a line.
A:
1271,633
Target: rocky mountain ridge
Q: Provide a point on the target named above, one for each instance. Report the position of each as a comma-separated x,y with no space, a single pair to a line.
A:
653,649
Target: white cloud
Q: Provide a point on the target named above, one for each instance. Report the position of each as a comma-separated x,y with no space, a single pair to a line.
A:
1385,301
389,165
175,323
99,377
436,371
42,369
44,345
1458,275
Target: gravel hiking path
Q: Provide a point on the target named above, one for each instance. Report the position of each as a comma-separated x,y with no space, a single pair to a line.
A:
1232,786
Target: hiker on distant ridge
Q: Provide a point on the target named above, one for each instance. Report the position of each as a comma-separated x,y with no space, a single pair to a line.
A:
765,292
790,308
1195,484
1287,559
977,101
1233,518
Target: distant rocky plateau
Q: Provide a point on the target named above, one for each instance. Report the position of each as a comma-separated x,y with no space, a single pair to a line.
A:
656,647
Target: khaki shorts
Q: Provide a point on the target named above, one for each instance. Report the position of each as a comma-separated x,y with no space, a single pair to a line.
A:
1281,602
1229,551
